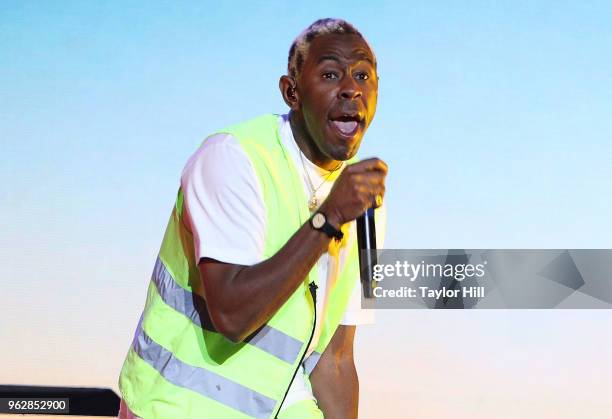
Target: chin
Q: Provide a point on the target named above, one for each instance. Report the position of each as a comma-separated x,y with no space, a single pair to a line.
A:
344,154
348,152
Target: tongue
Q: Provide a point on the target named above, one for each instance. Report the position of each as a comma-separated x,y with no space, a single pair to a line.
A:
346,127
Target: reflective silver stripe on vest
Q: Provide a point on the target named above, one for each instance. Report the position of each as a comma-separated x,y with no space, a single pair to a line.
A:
200,380
191,305
311,362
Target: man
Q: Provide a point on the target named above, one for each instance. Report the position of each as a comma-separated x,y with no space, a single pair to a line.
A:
253,302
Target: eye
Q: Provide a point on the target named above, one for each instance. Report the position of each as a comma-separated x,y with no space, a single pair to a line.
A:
362,76
330,75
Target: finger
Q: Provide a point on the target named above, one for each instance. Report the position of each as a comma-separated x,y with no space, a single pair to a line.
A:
371,195
379,198
376,164
378,201
371,164
369,178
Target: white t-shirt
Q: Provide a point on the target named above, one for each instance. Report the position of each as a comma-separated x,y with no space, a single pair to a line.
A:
225,210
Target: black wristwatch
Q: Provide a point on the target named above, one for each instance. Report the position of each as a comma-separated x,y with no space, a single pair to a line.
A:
319,222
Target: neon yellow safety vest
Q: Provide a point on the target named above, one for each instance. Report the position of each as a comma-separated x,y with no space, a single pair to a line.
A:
178,366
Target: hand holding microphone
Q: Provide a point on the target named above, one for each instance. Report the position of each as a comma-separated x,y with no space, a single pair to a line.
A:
360,186
360,189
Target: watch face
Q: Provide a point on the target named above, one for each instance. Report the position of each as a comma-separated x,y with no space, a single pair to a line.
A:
318,220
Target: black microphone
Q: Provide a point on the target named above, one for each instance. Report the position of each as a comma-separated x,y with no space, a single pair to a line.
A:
366,241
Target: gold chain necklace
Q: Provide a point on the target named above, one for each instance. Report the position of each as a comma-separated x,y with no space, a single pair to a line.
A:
313,202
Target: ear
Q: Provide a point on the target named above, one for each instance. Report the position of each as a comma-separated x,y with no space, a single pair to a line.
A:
288,88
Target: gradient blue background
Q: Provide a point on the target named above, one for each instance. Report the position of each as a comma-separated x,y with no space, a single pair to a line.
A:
494,118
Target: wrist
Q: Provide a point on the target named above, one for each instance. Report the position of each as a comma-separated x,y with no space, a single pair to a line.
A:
333,217
320,222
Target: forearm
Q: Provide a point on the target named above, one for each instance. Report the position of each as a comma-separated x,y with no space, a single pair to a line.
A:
249,296
336,388
240,299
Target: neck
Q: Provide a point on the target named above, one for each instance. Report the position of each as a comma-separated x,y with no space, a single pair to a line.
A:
307,145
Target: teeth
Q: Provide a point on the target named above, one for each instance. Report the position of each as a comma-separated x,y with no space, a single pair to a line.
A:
346,127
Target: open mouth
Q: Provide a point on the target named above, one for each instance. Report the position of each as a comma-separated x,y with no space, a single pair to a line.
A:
347,125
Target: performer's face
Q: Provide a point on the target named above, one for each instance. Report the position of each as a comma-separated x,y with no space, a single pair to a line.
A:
338,89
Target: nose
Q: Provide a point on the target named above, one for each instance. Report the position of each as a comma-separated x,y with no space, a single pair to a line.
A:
349,89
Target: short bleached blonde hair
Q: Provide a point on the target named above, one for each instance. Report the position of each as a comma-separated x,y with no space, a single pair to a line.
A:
299,49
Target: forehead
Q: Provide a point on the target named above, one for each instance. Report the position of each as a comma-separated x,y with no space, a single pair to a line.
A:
349,47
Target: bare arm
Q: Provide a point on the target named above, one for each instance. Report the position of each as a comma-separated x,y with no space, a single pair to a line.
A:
240,299
334,380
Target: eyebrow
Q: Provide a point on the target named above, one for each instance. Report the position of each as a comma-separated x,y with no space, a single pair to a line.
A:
363,55
366,58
